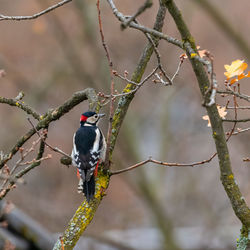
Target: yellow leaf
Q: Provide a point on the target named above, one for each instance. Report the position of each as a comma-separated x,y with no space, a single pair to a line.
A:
241,76
236,68
233,81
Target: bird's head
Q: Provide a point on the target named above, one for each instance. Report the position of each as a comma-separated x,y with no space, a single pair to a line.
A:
90,118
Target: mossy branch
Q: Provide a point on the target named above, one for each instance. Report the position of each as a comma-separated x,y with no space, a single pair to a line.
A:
20,104
83,216
50,116
227,177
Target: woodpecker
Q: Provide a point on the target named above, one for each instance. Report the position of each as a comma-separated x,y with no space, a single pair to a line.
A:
89,149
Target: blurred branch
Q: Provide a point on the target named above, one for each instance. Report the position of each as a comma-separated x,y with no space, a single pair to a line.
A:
166,164
53,115
20,18
21,225
227,177
225,26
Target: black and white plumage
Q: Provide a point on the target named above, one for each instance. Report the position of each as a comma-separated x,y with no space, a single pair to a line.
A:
89,149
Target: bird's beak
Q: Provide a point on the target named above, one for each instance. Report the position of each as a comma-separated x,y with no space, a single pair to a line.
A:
101,115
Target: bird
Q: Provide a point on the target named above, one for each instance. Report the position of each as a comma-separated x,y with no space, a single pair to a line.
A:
89,149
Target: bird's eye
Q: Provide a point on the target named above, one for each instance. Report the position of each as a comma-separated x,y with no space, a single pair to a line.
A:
96,116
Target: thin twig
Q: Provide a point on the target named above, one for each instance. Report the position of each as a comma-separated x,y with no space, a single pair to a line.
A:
20,18
235,117
239,130
166,164
235,120
231,92
138,85
112,87
16,102
146,5
158,56
47,144
240,107
182,58
19,162
142,28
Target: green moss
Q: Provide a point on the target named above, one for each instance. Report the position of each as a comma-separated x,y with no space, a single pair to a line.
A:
84,214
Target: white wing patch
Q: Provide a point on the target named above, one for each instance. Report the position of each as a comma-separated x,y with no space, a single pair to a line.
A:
75,153
97,141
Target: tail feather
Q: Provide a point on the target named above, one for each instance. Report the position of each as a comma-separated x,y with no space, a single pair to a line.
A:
88,188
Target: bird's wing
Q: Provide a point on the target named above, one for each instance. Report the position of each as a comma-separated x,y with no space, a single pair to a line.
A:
85,153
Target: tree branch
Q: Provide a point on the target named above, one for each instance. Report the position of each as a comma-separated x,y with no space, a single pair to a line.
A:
153,32
236,120
53,115
83,216
231,92
227,177
166,164
20,18
146,5
16,102
86,211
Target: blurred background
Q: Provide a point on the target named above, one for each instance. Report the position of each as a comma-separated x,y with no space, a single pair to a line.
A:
153,207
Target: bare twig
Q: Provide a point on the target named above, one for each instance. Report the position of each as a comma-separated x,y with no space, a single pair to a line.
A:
146,5
236,120
138,85
47,144
240,107
19,162
182,58
159,63
239,130
231,92
16,102
142,28
35,160
112,87
235,117
20,18
166,164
